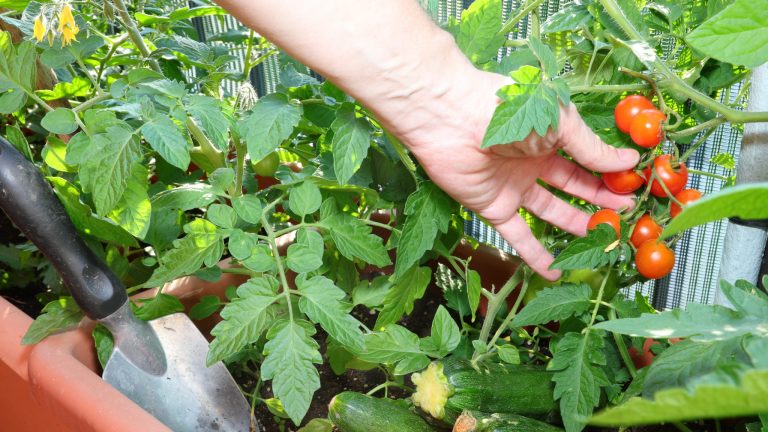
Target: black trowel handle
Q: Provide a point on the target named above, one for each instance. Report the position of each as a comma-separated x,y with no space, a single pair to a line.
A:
30,204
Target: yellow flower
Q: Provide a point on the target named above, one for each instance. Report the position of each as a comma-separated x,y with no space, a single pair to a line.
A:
39,30
68,35
66,19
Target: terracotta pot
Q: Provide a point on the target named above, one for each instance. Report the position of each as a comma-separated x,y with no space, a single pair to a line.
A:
56,384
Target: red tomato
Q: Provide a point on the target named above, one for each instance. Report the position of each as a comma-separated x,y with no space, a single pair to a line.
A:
654,260
606,216
645,358
628,108
622,182
674,180
646,129
645,229
685,196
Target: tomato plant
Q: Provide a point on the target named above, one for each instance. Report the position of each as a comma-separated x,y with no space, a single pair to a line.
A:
645,229
646,129
685,196
629,107
654,259
605,216
622,182
672,177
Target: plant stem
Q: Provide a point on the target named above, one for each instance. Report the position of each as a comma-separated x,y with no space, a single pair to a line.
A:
510,24
91,102
681,427
611,88
702,139
494,303
623,347
214,155
709,124
279,262
708,174
387,385
239,270
240,151
112,50
135,34
599,299
247,59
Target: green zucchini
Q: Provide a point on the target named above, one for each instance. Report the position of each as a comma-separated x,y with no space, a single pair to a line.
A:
445,389
356,412
472,421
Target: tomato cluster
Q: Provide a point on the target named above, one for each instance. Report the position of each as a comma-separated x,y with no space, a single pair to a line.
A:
664,176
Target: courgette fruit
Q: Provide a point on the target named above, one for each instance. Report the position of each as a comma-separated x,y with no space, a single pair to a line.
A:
356,412
472,421
446,388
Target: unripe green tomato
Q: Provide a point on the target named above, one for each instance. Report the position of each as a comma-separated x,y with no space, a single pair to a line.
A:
267,166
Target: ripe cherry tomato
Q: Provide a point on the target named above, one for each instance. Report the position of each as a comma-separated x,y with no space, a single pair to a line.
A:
606,216
645,229
654,259
674,180
685,196
622,182
646,130
628,108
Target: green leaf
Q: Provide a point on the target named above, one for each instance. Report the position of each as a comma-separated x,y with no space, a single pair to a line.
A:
84,220
14,136
746,298
57,315
167,139
679,364
509,354
17,73
738,34
249,208
318,425
222,179
445,333
351,140
158,306
321,300
207,306
59,121
598,248
79,87
399,300
355,240
241,244
479,37
104,343
570,17
305,199
371,294
290,353
527,106
545,55
185,197
133,211
395,345
210,113
179,14
203,246
244,319
55,154
270,123
707,400
698,322
554,304
745,201
429,211
306,254
579,376
261,259
474,291
724,160
222,215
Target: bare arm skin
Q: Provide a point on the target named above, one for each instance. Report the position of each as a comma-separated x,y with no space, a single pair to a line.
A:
391,57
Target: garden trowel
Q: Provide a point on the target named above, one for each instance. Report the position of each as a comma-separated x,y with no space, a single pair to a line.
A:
159,364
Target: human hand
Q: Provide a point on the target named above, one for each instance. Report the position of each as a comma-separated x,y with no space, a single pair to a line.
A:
497,181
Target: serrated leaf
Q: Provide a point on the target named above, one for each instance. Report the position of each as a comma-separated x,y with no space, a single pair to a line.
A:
479,37
189,254
594,250
210,113
351,140
185,197
355,239
321,300
244,319
133,210
545,55
745,297
445,333
270,123
306,254
708,400
158,306
166,138
305,199
290,354
554,304
429,211
400,298
579,376
527,106
698,322
207,306
569,18
57,315
738,34
395,345
745,201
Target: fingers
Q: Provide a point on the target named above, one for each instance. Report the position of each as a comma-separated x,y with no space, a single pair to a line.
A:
517,233
571,178
550,208
578,140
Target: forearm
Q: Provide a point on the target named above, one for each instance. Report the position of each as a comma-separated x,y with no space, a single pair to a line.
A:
386,54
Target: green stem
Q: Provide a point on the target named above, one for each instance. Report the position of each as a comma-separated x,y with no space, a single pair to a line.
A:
599,299
511,315
239,270
709,124
611,88
214,156
37,99
247,60
494,303
510,24
623,347
240,151
279,262
112,50
702,139
135,34
387,385
91,102
380,225
96,87
707,174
